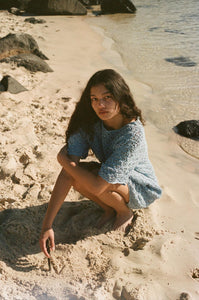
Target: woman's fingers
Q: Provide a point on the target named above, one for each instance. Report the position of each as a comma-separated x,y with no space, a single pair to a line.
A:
52,243
44,248
49,234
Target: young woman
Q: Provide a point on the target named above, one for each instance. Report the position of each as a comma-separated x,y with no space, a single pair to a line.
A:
107,121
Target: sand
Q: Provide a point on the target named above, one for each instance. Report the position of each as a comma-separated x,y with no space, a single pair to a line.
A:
157,259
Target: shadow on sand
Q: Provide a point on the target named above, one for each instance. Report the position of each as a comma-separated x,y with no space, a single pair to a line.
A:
20,230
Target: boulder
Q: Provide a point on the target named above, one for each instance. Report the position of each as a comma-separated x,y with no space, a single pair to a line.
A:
11,85
188,129
90,2
56,7
85,2
94,2
31,62
14,44
117,6
8,4
24,51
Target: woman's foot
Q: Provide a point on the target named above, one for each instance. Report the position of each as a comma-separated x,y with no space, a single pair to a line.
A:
123,220
106,217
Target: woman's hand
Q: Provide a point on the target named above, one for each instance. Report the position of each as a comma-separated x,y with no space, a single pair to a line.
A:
45,235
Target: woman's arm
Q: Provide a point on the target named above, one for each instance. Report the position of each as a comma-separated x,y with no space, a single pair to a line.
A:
93,183
59,193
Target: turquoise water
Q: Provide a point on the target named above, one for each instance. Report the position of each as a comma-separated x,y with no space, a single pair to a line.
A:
159,46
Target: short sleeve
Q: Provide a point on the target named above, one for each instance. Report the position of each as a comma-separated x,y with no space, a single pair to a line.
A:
78,145
125,155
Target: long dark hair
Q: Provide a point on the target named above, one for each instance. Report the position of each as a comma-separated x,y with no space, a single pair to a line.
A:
84,116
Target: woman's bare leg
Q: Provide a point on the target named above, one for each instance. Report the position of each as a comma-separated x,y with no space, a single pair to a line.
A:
109,212
124,214
113,200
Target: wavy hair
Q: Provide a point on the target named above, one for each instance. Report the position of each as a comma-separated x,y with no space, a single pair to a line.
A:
84,116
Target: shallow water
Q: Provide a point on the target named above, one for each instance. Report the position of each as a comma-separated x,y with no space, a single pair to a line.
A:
159,46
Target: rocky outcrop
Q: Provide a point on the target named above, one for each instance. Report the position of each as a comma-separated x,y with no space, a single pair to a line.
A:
24,51
56,7
31,62
9,84
90,2
188,129
117,6
7,4
47,7
14,44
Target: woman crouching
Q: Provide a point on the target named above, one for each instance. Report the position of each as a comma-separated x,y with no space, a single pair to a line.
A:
107,121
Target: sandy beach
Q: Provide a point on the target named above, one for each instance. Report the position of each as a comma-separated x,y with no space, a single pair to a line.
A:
158,258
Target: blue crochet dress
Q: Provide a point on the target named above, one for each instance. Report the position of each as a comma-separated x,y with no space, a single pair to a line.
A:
124,159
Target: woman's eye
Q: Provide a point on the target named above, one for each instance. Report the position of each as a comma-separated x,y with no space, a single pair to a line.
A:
108,97
93,99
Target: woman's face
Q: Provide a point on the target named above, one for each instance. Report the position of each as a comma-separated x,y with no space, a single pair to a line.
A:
103,103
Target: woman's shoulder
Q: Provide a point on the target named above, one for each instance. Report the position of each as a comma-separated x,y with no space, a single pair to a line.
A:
133,128
130,135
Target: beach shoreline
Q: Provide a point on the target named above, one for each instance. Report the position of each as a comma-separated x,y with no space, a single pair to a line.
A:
87,263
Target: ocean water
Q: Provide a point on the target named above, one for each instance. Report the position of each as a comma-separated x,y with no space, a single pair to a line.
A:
159,46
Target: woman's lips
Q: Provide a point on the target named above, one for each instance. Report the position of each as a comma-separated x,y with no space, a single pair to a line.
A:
102,112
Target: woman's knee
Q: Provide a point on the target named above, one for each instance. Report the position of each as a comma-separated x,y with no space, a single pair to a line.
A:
119,191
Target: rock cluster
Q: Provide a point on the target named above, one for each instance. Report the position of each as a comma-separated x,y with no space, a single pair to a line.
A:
47,7
67,7
23,50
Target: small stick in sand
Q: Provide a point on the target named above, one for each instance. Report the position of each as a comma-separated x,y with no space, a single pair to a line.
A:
48,249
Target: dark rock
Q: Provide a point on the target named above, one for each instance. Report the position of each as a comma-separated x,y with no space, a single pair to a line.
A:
90,2
24,51
117,6
14,44
34,21
181,61
30,61
85,2
188,129
97,13
47,7
8,4
58,7
11,85
94,2
2,88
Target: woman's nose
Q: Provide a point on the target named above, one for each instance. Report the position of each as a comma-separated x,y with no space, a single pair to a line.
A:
101,102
